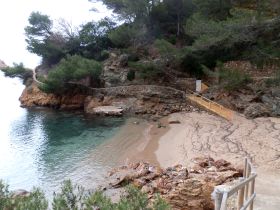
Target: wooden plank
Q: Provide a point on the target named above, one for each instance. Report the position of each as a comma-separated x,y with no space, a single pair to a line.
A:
212,106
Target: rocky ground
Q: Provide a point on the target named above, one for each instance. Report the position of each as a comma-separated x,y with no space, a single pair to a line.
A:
257,99
146,100
183,189
253,101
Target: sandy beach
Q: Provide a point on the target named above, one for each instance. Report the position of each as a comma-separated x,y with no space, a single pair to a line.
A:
204,134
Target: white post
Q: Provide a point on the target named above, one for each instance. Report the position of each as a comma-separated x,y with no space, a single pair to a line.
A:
198,87
217,195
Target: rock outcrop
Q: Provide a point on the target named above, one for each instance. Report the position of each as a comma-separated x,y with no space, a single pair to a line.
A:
115,70
256,100
182,188
107,111
137,99
33,96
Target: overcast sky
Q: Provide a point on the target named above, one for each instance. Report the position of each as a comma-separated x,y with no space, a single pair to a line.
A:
14,17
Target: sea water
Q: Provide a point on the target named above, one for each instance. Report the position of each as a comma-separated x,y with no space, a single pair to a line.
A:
41,147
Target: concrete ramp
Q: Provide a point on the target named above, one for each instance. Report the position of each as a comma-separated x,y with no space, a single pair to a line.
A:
212,106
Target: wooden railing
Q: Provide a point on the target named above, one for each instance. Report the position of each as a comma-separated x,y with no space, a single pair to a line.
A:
245,189
210,105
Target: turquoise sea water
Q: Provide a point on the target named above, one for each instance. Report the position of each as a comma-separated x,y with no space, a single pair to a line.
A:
43,147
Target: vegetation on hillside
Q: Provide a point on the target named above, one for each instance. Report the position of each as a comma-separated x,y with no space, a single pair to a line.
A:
74,197
189,34
71,69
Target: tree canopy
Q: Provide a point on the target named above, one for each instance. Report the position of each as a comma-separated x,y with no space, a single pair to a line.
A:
193,34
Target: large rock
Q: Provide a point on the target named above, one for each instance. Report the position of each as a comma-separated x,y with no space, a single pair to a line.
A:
255,110
115,70
33,96
183,189
108,111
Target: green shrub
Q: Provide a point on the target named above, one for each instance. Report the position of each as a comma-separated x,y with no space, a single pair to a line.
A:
70,197
104,55
232,79
74,197
131,75
35,201
71,69
124,36
147,70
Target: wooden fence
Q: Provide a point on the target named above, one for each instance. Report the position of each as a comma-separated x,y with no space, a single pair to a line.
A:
210,105
245,189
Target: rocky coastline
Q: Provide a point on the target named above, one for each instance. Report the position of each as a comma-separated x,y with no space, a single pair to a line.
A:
147,100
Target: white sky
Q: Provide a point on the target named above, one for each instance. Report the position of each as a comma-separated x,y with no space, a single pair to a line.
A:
14,17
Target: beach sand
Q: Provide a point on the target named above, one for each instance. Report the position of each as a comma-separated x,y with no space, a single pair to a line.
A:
204,134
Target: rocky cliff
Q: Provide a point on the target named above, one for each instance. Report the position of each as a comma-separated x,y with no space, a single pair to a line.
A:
33,96
141,99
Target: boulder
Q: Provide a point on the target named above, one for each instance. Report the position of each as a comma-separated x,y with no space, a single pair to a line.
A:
181,188
255,110
108,111
20,193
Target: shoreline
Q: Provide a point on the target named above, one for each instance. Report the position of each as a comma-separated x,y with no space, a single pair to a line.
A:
199,134
204,134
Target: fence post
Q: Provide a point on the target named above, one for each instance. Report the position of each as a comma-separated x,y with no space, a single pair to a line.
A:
246,175
252,190
217,195
245,169
240,196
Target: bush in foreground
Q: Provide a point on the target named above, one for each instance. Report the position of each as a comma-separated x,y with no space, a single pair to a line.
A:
74,197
